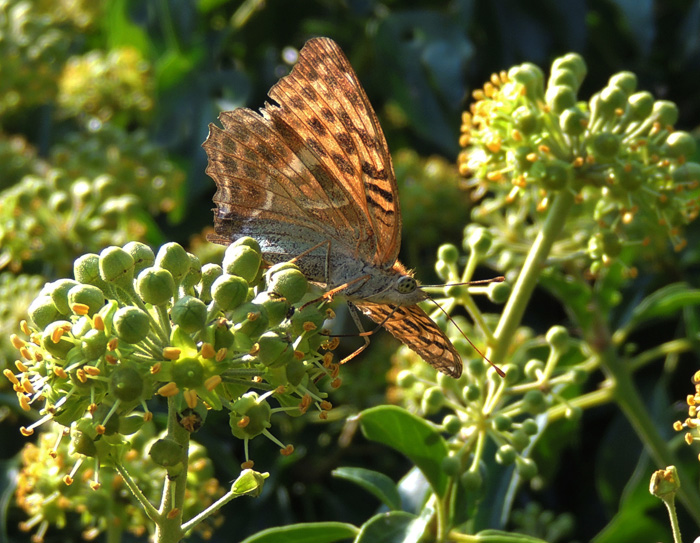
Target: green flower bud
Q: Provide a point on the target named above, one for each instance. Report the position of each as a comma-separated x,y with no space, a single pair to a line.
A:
59,294
131,324
89,295
528,122
117,266
498,293
42,312
475,368
557,175
506,455
451,466
175,259
249,417
82,443
189,313
210,273
243,261
86,270
105,186
188,373
433,399
248,241
665,112
229,291
406,379
529,76
559,98
471,481
61,348
442,269
223,335
625,81
680,144
274,350
59,202
251,320
308,314
126,384
93,344
641,104
295,370
289,283
612,99
558,338
142,254
166,452
448,253
513,374
535,402
563,77
532,368
603,146
520,440
630,177
502,423
530,427
478,241
194,275
685,173
572,62
81,191
573,121
471,392
526,468
277,307
451,424
155,286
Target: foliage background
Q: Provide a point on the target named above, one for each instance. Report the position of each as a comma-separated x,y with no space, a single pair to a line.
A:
181,62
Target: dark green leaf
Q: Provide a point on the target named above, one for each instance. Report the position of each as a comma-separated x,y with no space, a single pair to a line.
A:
665,302
374,482
394,527
411,436
318,532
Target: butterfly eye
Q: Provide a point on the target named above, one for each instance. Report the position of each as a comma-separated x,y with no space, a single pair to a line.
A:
406,284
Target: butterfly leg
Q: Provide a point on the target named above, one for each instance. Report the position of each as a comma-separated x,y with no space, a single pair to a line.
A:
364,334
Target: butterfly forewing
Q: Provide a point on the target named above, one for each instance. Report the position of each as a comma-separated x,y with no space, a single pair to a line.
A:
418,331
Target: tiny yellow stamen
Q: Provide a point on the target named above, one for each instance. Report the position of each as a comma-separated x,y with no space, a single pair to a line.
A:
168,390
208,350
80,309
190,398
171,353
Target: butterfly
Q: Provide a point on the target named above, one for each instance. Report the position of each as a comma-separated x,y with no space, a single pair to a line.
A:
311,175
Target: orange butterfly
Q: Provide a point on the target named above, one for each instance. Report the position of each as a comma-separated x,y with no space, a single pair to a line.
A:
311,175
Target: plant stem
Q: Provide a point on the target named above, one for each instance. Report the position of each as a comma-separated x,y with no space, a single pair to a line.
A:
628,399
169,529
527,280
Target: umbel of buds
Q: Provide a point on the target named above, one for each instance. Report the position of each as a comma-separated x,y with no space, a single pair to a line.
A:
133,326
617,154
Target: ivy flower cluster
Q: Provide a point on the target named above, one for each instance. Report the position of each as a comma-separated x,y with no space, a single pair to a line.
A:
617,153
134,325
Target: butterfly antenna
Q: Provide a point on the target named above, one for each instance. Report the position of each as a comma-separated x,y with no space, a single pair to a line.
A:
499,371
498,279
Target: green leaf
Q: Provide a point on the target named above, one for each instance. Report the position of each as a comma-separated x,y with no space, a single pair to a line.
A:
665,302
120,30
317,532
411,436
394,527
373,482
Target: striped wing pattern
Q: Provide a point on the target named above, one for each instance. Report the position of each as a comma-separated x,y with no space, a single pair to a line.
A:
413,327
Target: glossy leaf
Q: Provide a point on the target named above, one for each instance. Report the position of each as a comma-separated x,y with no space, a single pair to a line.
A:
318,532
373,482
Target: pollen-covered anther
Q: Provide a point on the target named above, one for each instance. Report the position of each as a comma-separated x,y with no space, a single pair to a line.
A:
94,485
168,390
326,405
24,326
111,359
253,316
532,157
23,400
100,429
281,389
678,426
17,342
327,359
81,375
92,408
299,355
516,135
248,464
155,368
208,350
57,334
27,386
335,370
331,344
92,370
59,372
26,432
25,353
212,382
190,398
98,322
627,217
494,176
544,149
335,383
7,372
243,422
80,309
257,379
171,353
289,449
690,423
112,344
323,415
21,366
578,162
309,326
689,438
